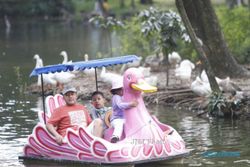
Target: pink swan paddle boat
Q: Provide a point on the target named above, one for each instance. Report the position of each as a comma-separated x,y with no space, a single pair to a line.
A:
145,139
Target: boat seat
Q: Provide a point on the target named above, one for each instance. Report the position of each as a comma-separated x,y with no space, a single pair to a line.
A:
51,103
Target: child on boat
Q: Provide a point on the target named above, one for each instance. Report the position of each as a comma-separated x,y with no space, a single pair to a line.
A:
100,110
118,106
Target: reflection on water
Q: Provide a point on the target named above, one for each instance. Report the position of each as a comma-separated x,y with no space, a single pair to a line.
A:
18,109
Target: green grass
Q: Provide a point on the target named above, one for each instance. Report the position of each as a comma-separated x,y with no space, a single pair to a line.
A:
88,6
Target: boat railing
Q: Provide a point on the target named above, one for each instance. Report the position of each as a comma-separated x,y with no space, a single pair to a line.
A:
51,103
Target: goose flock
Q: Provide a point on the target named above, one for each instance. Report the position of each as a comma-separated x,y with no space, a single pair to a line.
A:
182,71
200,86
54,79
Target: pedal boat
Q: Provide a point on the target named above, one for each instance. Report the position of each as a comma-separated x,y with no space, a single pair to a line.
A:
145,138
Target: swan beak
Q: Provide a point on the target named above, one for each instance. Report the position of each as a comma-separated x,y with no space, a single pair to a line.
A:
144,87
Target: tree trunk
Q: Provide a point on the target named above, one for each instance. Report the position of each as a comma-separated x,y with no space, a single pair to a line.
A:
122,4
205,24
133,4
100,8
198,46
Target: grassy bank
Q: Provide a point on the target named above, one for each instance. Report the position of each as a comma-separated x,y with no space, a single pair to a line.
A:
87,6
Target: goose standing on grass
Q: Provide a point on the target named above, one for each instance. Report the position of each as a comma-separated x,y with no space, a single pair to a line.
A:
184,71
65,57
47,78
108,76
174,59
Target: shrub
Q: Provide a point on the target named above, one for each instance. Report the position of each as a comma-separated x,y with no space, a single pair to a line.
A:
132,40
235,25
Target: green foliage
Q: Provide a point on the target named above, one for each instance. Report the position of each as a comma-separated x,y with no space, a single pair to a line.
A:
154,31
187,51
235,24
216,104
83,5
132,40
109,23
167,24
53,8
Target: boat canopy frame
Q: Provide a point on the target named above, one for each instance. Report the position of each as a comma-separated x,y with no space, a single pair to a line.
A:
80,66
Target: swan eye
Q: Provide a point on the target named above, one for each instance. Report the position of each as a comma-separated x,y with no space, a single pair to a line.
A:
129,77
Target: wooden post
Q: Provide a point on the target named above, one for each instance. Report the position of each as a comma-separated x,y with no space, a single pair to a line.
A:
96,84
43,98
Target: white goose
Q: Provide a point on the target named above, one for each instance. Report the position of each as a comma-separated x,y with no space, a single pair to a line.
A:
200,87
108,76
174,59
225,85
184,71
65,57
63,78
204,77
65,61
47,78
90,71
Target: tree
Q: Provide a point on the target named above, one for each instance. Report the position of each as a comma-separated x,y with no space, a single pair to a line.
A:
166,27
108,23
122,4
234,3
198,46
133,4
205,24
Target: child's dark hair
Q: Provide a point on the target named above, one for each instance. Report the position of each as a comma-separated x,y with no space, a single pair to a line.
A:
97,93
114,91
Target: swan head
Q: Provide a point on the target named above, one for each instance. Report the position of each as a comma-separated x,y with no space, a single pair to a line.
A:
36,57
133,82
63,53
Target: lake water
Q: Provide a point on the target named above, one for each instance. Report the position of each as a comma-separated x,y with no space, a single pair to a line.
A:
214,142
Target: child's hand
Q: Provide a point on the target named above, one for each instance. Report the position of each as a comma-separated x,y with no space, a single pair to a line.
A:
134,103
